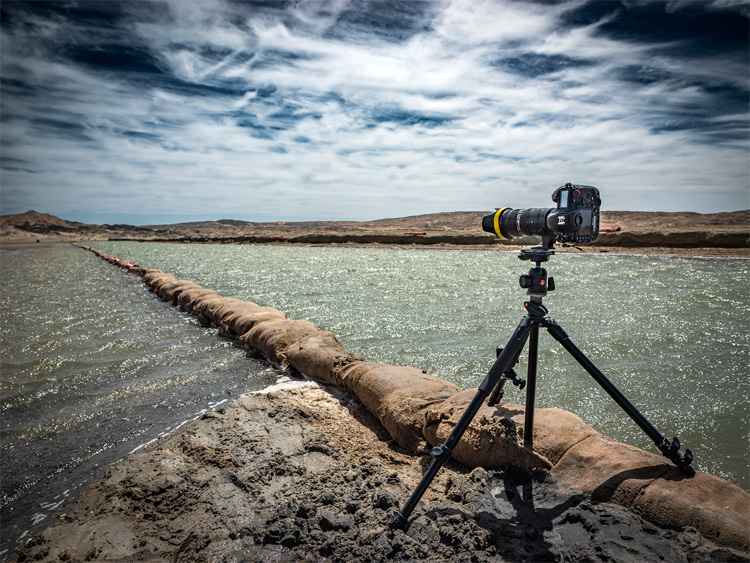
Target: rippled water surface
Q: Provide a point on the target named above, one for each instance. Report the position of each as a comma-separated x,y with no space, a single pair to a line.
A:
93,367
83,341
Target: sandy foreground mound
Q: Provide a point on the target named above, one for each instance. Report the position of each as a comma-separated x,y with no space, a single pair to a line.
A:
302,472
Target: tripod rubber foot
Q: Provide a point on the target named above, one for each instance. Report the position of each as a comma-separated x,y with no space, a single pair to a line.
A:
671,450
396,520
683,463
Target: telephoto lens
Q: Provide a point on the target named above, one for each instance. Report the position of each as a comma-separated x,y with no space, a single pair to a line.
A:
508,223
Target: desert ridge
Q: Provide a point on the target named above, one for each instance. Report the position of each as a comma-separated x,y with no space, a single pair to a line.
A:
682,233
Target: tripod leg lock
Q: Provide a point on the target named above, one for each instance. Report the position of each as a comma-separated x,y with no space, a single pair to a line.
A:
510,375
441,452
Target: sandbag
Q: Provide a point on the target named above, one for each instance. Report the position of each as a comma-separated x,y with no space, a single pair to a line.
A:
242,320
218,311
206,305
612,472
148,276
718,509
186,295
320,356
157,275
224,311
398,395
178,289
145,271
495,437
271,338
166,288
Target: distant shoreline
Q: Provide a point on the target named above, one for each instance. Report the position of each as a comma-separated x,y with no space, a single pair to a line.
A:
699,252
691,234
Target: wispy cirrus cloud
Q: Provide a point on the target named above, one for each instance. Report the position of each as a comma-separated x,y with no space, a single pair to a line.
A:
363,109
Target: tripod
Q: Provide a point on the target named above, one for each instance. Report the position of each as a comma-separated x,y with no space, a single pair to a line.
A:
538,284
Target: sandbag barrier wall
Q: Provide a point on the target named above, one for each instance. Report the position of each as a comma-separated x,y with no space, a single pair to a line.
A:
416,407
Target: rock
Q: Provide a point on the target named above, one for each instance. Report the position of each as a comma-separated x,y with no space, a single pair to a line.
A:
307,509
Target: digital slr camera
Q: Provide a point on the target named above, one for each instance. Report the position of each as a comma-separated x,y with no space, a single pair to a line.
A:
574,221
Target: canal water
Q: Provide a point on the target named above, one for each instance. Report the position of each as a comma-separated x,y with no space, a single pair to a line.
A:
94,366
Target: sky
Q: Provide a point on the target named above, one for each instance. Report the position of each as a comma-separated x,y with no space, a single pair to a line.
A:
159,112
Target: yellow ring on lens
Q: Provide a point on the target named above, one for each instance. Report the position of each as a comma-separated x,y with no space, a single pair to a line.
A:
497,221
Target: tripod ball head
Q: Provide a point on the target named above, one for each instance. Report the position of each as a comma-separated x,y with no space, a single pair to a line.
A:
526,281
536,282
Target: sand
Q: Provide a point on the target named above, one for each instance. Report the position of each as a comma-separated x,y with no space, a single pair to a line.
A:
303,472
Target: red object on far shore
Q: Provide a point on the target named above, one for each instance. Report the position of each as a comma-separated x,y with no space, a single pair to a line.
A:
609,229
415,233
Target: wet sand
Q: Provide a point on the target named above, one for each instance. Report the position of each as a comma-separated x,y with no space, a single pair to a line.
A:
303,472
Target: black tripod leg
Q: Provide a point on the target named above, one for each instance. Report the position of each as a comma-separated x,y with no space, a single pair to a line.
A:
443,452
528,424
667,448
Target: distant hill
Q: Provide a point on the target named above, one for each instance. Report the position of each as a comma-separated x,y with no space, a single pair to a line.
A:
34,218
34,226
637,229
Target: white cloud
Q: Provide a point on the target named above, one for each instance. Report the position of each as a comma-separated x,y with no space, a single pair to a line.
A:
481,22
298,114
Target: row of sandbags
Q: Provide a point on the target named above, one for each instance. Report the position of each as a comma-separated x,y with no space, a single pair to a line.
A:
416,407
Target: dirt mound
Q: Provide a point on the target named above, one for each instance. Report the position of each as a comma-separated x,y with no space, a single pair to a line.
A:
303,473
679,221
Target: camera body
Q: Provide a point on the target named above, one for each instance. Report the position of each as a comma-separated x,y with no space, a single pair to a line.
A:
575,220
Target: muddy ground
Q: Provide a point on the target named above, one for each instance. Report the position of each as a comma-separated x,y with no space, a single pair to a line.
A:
305,473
